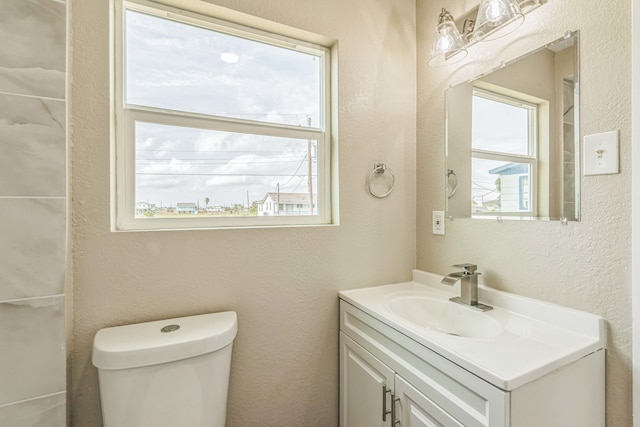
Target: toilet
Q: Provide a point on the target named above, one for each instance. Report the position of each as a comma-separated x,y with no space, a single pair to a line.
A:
166,373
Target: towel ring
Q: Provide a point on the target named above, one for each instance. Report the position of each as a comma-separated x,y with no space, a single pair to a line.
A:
452,183
378,169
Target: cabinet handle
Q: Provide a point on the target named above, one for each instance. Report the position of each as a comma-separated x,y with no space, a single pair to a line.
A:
394,401
386,412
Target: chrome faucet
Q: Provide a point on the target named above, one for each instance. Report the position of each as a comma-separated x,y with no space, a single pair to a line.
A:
468,277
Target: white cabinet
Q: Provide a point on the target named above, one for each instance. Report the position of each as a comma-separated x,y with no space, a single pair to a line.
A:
373,395
417,410
366,388
385,376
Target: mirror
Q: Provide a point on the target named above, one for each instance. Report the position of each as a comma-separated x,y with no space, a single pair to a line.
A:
512,139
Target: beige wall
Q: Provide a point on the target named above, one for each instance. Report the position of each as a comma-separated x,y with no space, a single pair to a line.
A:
585,265
635,274
283,282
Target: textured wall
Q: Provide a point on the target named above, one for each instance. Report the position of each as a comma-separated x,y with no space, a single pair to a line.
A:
635,274
584,265
282,282
32,213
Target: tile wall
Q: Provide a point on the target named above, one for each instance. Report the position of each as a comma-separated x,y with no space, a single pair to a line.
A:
32,213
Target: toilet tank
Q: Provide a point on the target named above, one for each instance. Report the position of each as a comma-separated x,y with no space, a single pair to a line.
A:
166,373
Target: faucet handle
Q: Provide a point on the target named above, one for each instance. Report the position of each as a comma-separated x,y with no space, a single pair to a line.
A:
467,269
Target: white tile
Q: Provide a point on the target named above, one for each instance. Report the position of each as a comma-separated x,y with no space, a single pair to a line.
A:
47,411
33,47
32,355
32,247
33,146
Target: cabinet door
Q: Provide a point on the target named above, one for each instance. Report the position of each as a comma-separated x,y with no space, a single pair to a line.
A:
468,399
362,378
417,410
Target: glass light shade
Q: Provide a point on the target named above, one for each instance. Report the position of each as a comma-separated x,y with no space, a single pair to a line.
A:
525,4
493,17
448,46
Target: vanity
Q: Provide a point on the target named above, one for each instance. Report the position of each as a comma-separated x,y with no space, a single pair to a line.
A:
411,357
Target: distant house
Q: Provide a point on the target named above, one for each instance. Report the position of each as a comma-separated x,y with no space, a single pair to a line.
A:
285,204
188,208
144,207
515,190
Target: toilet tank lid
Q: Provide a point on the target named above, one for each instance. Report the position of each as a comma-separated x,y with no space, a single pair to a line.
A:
162,341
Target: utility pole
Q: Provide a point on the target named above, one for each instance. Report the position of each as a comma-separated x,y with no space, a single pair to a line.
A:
309,171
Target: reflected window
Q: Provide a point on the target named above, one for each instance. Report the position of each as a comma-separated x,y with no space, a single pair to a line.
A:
504,154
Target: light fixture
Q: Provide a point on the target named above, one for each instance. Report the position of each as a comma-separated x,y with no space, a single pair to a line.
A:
525,4
493,15
490,20
448,46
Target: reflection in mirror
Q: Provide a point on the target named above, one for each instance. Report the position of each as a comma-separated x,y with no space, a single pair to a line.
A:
512,141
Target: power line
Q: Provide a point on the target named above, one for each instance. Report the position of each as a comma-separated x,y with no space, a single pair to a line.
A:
217,151
211,162
214,174
294,174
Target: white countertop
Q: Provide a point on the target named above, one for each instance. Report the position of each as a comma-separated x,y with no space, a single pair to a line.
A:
536,338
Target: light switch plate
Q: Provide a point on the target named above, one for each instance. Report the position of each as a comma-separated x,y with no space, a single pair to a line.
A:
600,153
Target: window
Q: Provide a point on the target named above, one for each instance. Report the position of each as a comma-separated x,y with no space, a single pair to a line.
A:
504,154
211,118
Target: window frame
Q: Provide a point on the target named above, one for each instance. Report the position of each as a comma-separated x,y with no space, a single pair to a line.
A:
124,116
530,159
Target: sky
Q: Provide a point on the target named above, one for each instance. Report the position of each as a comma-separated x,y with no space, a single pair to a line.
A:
496,127
180,67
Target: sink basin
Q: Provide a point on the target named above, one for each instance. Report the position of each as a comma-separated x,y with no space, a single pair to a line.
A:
443,316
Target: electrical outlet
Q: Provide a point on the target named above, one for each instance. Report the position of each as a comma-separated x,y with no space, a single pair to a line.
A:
438,222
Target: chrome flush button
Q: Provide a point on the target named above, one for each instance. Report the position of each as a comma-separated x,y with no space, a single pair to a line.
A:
170,328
